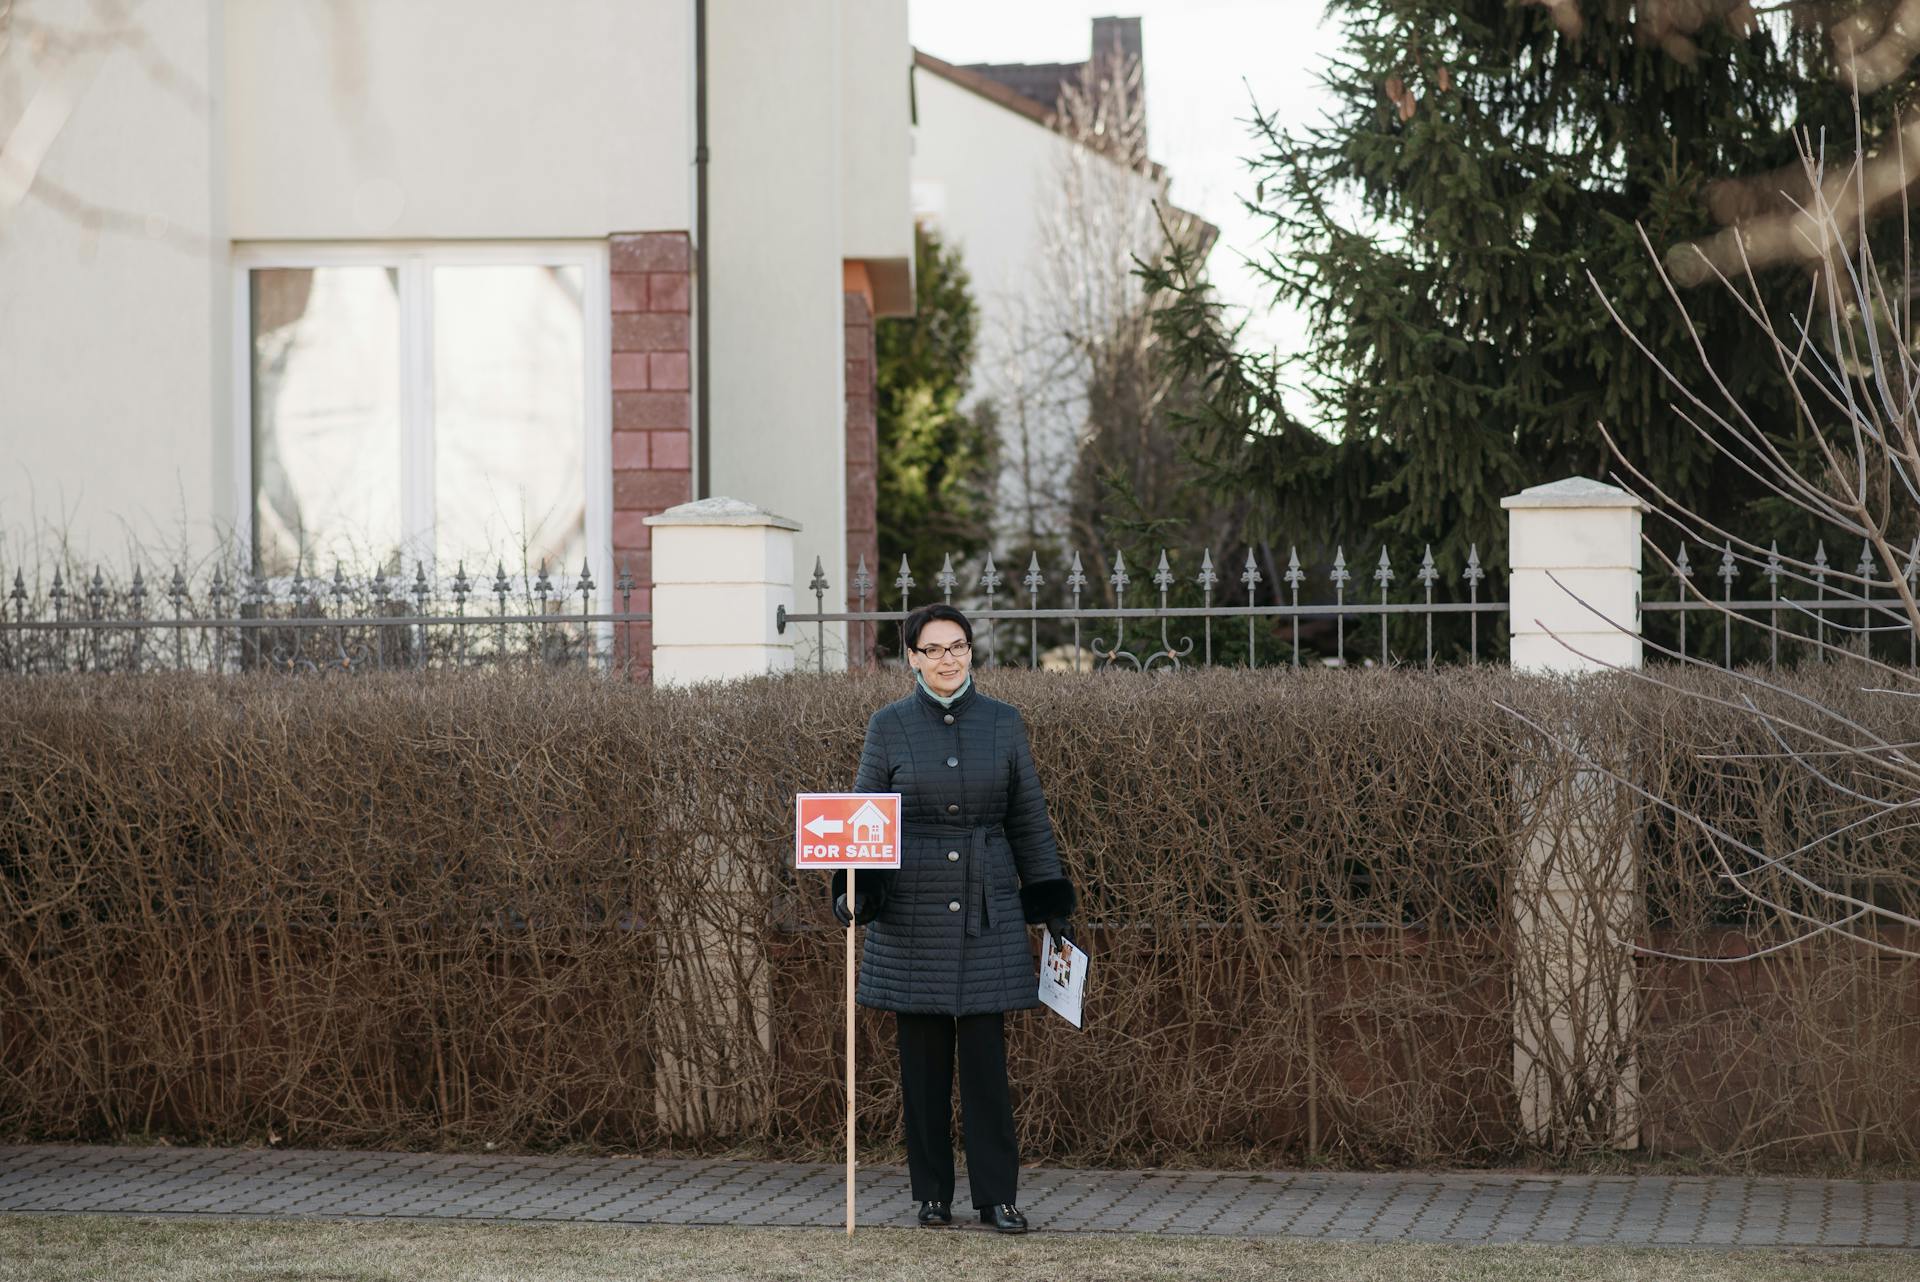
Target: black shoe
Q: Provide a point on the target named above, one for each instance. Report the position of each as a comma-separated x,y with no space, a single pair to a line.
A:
935,1214
1005,1218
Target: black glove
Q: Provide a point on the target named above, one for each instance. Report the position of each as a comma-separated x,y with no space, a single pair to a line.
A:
1060,928
859,913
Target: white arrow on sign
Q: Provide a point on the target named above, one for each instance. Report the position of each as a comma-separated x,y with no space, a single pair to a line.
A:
821,827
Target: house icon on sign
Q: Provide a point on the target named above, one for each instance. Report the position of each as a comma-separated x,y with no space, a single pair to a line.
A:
869,825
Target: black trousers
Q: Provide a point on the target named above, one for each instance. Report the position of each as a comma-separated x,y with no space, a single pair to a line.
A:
927,1045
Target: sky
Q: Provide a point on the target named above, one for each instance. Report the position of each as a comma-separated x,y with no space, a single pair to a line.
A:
1206,63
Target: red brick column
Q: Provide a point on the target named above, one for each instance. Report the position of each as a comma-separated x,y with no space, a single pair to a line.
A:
863,478
652,404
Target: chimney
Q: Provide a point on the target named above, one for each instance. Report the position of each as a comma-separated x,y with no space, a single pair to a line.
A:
1122,36
1116,34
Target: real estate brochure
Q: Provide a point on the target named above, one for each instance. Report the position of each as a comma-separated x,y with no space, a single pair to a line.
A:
1063,977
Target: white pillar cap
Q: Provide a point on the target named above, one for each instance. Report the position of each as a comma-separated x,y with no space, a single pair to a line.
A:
1575,491
722,511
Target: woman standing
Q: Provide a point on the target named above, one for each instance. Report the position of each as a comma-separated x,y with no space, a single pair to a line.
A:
947,948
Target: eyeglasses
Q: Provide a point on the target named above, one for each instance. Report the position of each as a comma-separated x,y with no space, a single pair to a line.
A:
959,650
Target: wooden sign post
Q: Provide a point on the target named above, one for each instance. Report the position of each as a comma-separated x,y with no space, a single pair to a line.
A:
850,830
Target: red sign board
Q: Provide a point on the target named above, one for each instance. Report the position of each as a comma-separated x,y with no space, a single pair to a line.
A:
846,830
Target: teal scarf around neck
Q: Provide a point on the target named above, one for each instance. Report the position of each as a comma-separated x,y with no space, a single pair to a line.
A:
945,701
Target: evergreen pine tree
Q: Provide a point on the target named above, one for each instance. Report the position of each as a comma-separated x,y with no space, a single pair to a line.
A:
1438,229
937,463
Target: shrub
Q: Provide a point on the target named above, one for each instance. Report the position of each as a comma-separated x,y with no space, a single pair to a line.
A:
554,910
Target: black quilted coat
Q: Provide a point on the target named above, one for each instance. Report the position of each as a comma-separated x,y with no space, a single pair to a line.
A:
948,931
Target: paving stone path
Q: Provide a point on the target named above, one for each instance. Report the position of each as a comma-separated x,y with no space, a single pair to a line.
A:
1397,1207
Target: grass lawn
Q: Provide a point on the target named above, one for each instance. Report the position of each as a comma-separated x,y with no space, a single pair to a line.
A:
94,1248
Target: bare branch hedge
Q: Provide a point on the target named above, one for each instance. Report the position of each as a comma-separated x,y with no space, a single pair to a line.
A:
540,911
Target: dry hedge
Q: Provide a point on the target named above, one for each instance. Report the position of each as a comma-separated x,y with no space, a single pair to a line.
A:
558,911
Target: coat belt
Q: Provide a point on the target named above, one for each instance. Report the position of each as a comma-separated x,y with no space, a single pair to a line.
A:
979,912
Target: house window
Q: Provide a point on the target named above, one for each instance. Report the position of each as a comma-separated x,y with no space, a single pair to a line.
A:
436,405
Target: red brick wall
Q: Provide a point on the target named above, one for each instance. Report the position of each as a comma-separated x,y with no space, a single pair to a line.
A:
652,404
863,527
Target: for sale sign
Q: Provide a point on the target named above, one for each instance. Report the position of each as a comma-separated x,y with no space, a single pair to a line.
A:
846,830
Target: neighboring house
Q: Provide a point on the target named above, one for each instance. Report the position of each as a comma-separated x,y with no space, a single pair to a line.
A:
355,278
1047,226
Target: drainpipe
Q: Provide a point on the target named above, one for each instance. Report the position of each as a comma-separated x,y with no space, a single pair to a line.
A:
703,462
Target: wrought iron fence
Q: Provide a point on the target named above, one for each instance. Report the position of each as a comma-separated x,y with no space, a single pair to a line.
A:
237,621
1079,613
1814,624
1814,615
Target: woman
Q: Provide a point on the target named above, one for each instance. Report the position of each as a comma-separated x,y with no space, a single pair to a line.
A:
947,948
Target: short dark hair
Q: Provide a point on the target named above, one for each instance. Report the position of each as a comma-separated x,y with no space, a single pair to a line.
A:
915,623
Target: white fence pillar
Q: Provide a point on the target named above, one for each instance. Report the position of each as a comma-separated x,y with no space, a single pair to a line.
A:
721,569
1574,555
1574,594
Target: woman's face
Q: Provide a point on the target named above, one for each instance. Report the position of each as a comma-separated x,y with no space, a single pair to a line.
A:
946,672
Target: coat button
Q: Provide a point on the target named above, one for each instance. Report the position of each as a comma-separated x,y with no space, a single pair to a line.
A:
953,905
948,718
953,761
953,856
954,809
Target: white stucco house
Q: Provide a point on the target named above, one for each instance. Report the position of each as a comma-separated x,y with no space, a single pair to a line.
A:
1047,226
443,279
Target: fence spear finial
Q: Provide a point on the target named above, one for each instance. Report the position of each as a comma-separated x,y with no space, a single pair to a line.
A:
1033,579
947,580
1206,578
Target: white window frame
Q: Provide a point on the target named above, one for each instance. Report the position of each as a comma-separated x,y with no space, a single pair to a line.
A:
415,261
